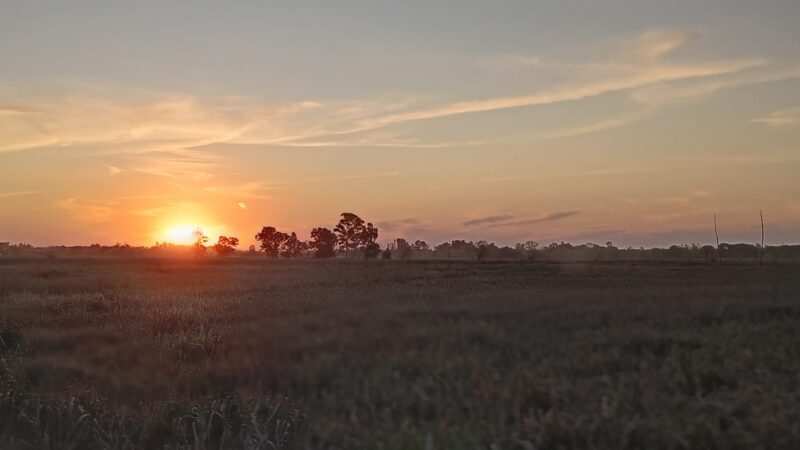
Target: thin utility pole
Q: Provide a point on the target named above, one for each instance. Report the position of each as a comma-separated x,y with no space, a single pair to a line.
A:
716,234
763,249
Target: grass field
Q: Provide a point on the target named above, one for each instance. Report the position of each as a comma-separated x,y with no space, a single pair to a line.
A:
428,355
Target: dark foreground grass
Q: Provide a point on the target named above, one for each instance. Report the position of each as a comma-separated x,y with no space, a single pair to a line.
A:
392,355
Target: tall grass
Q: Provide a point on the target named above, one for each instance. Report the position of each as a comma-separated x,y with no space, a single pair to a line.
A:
33,422
393,355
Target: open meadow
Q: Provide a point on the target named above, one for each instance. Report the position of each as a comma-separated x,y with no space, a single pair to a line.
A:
400,355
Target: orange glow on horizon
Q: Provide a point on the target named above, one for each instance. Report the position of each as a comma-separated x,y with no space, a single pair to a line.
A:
183,234
180,234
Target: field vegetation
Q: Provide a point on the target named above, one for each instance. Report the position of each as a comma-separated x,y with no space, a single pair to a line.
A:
130,353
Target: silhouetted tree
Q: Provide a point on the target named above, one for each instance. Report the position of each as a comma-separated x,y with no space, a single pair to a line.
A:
353,234
483,250
226,245
271,240
464,248
421,246
527,249
457,248
371,250
199,246
403,248
367,241
349,232
323,242
506,252
443,250
291,247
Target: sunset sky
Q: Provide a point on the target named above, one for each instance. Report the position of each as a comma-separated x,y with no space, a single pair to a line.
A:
585,121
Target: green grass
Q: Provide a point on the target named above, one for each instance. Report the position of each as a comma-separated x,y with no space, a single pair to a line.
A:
393,355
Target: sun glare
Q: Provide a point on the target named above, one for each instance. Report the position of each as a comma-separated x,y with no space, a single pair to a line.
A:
181,234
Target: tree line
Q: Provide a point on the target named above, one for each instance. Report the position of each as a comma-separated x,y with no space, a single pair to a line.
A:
354,237
351,236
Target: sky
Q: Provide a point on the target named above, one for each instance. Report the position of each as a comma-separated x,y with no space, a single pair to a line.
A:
584,121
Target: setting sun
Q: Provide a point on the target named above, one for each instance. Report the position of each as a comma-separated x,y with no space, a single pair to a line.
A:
181,234
400,224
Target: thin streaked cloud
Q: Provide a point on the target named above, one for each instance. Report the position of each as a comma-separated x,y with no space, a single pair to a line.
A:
87,211
552,217
780,119
488,220
399,224
601,125
179,121
255,190
537,124
17,194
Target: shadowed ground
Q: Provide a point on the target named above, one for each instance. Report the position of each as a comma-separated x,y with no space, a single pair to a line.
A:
431,354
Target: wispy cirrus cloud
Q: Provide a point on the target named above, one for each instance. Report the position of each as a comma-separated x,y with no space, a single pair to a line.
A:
685,200
352,178
665,93
191,164
17,194
601,125
510,220
12,110
551,217
253,190
781,119
639,66
87,118
87,211
488,220
379,143
174,123
653,45
643,77
149,212
398,224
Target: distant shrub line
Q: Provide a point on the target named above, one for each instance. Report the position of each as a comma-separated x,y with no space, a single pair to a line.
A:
354,237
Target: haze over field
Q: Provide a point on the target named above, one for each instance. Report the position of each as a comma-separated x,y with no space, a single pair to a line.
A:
582,121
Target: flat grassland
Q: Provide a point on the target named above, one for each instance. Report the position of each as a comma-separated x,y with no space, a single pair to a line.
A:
429,355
